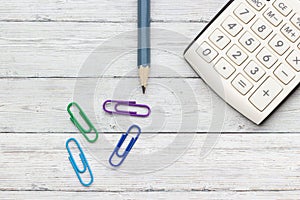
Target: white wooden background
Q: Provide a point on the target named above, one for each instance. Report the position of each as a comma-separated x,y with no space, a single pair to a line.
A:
43,45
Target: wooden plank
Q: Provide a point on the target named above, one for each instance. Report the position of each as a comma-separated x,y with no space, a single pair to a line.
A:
238,162
227,195
54,39
61,49
106,10
39,105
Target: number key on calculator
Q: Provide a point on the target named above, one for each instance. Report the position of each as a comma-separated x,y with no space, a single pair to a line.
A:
249,54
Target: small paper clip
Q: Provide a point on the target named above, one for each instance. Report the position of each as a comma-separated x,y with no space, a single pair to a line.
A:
86,119
128,148
126,103
84,163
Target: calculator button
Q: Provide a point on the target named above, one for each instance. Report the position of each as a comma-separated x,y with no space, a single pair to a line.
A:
232,26
257,4
241,84
254,71
273,16
244,13
262,29
279,44
249,42
224,68
237,55
265,94
290,32
219,39
294,60
266,58
282,7
296,20
207,52
284,74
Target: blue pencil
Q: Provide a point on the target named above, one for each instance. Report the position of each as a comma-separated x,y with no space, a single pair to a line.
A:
144,52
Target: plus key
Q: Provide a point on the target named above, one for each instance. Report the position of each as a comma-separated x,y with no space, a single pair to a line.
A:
265,94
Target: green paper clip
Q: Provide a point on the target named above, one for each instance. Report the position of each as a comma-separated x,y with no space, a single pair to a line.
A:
87,121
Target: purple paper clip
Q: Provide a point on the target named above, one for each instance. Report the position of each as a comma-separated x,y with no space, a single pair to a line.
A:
126,103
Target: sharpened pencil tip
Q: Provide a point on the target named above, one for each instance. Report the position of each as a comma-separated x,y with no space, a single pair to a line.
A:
144,89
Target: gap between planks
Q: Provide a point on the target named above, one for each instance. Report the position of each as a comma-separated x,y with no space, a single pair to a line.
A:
152,190
161,133
195,195
103,21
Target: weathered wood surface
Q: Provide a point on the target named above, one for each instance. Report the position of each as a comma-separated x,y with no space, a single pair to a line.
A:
45,44
195,195
106,10
46,49
238,162
39,105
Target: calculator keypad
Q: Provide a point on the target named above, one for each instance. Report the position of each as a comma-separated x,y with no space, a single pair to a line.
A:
254,71
224,68
256,50
267,58
241,84
285,74
279,44
249,42
273,17
282,7
232,26
265,94
290,32
219,39
294,60
244,13
207,52
296,20
237,55
262,29
257,4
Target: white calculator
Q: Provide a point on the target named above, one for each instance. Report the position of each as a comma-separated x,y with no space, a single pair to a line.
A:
249,54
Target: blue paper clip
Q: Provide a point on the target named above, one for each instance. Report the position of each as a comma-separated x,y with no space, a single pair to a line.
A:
86,119
84,163
128,148
126,103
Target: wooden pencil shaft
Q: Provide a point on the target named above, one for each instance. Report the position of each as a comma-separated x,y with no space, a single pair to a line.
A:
144,75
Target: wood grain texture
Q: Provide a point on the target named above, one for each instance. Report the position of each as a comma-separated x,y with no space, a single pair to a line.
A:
44,46
46,49
259,195
42,107
238,162
106,10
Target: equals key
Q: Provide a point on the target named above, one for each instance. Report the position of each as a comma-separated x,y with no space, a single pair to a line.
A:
241,84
